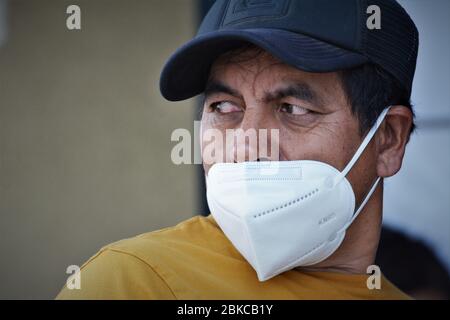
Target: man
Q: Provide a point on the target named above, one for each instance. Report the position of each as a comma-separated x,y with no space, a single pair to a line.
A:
302,222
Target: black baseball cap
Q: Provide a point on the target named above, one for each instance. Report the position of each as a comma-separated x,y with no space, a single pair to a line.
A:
311,35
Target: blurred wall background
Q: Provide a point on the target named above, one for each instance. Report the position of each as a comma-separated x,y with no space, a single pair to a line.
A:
85,135
417,199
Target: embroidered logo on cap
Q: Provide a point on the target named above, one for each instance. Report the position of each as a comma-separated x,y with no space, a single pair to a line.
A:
239,11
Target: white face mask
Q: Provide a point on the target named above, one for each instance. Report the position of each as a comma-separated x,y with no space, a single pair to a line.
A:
284,214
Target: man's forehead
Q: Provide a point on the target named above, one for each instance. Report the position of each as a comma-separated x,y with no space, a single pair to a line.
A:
251,66
240,66
251,60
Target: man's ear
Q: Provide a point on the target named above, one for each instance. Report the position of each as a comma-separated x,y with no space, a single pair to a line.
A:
393,135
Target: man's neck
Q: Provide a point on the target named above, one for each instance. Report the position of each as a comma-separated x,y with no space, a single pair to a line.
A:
359,248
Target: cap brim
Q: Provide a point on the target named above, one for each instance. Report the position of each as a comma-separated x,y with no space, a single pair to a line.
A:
187,70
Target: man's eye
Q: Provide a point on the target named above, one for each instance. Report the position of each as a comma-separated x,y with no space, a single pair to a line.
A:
293,109
224,107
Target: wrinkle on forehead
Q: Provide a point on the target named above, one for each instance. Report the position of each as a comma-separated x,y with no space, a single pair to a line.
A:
248,64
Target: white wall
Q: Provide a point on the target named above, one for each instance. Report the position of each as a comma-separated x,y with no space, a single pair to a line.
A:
417,199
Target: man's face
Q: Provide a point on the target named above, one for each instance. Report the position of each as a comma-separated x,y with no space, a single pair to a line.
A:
251,90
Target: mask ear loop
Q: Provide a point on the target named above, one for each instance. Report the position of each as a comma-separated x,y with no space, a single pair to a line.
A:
361,206
355,158
361,148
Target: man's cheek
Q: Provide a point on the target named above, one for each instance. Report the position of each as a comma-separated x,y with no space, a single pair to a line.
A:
213,146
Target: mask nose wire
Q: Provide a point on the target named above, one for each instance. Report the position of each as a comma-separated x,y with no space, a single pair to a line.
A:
361,148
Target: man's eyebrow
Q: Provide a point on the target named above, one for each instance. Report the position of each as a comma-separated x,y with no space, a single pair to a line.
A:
300,90
215,86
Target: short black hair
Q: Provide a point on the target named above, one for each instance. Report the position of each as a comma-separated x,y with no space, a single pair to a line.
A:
369,90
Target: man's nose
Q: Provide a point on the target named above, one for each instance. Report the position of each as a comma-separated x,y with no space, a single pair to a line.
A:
253,139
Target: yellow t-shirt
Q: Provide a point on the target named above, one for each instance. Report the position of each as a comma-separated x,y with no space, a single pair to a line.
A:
195,260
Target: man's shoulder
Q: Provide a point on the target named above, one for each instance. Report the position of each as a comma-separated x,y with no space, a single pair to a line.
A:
192,229
143,266
196,233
